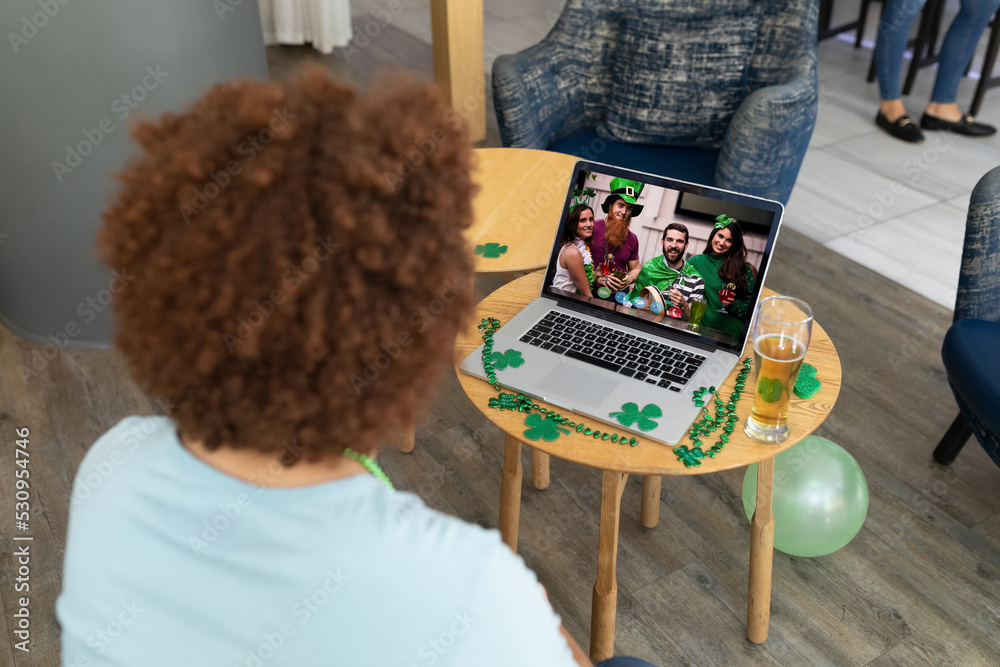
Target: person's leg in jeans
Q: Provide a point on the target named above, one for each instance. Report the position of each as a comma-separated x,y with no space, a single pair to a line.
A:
956,51
624,661
893,33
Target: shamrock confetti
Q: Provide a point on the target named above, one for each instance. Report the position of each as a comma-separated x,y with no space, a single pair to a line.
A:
689,457
507,401
543,428
491,250
502,360
769,389
807,384
630,414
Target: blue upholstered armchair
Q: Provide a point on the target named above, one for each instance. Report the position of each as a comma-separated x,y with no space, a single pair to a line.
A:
721,92
971,350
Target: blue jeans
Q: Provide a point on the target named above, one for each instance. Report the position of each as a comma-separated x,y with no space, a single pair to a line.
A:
624,661
956,50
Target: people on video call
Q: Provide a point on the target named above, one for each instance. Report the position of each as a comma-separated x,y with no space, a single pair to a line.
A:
575,267
675,278
729,279
615,247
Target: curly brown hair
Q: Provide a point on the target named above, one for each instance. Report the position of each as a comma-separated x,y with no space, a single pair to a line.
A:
300,269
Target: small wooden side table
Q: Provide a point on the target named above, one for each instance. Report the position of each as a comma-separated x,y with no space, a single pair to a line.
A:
649,459
519,205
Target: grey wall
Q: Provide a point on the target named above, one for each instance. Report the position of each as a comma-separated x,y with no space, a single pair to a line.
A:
65,66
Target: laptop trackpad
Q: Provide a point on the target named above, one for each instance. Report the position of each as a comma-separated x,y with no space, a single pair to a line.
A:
577,384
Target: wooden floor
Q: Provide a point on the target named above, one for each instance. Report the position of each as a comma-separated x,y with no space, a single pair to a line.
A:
920,585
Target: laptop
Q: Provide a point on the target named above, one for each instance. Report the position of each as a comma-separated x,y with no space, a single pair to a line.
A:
595,355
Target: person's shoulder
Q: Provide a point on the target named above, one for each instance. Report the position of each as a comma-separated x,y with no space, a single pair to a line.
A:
128,433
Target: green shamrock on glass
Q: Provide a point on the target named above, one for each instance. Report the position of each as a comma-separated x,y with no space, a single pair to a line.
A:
543,428
643,419
491,250
502,360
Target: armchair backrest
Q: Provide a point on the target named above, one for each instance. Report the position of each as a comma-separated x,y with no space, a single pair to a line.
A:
786,43
979,278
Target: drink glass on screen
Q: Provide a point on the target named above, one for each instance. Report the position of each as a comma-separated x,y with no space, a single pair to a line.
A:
698,306
782,328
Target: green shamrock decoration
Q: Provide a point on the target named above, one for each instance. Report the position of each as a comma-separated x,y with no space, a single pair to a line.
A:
807,384
506,401
502,360
541,428
630,414
491,250
769,389
689,457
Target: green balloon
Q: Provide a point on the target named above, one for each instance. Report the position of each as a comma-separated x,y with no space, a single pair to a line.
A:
820,497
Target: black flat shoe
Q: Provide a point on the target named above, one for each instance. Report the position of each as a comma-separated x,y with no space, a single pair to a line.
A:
966,126
904,128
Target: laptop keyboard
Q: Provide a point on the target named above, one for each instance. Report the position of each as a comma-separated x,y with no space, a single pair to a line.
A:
614,350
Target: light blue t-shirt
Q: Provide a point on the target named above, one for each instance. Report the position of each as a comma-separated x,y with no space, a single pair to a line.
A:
171,562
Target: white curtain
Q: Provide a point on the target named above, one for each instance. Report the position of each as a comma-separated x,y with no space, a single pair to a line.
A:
323,23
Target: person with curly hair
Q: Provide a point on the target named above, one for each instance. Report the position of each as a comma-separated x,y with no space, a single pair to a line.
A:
299,319
729,278
575,266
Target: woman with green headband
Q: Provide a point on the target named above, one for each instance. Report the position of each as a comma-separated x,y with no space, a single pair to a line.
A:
729,278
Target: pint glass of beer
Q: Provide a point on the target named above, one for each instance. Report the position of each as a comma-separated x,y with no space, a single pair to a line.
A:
781,334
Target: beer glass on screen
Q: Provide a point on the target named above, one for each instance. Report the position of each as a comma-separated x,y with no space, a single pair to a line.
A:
781,334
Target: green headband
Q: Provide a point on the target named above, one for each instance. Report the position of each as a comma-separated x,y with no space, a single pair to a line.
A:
723,220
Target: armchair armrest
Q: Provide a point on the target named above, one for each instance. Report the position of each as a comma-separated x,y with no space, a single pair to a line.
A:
536,101
767,139
979,279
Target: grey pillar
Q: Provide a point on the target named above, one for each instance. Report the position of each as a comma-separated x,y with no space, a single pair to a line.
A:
75,75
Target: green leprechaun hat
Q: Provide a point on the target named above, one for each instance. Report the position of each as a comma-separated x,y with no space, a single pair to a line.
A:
626,190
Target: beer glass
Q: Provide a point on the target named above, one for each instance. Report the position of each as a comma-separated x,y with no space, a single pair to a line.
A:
698,306
781,332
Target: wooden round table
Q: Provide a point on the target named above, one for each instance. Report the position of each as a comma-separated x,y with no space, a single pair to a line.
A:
519,204
649,459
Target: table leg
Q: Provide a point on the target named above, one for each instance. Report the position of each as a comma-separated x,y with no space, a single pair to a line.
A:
539,469
510,492
650,512
761,555
602,614
457,36
408,440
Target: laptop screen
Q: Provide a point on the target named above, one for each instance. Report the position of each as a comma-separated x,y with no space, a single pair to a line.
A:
662,255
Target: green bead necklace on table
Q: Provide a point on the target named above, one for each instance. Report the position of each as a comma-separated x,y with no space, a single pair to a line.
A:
725,416
489,326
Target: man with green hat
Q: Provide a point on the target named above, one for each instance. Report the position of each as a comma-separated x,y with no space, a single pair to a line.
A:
615,247
675,278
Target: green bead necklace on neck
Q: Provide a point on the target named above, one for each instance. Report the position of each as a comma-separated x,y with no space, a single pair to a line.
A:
370,465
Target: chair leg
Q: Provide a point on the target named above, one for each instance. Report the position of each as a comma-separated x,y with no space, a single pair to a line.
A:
986,79
862,19
953,441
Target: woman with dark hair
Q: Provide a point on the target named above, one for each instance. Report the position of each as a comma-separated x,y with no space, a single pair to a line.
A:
575,268
729,278
287,327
